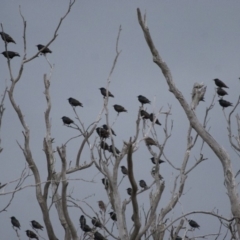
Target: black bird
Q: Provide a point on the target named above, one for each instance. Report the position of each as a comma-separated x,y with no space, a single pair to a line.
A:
219,83
142,184
119,108
74,102
149,141
86,228
144,114
224,103
98,236
67,120
154,161
106,128
11,54
7,38
15,223
221,92
143,100
193,224
46,50
82,221
113,216
178,238
96,223
31,234
105,182
36,225
129,191
104,92
102,133
152,118
104,145
124,170
111,149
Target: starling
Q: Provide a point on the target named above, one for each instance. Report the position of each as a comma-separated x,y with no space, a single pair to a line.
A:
154,161
36,225
82,221
10,54
96,223
105,182
129,191
15,223
224,103
219,83
31,234
102,206
86,228
74,102
124,170
113,216
104,145
143,100
119,108
67,120
46,50
144,114
111,149
98,236
178,238
104,92
153,172
106,128
7,38
149,141
142,184
152,118
102,132
193,224
221,92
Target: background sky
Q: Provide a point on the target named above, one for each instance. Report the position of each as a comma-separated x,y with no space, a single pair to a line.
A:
199,40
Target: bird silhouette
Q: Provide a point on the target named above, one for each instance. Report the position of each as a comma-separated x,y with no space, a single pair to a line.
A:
143,100
10,54
67,120
36,225
15,223
104,92
225,103
7,38
74,102
45,51
220,83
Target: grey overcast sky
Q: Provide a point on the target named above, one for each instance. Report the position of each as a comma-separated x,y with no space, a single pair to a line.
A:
198,39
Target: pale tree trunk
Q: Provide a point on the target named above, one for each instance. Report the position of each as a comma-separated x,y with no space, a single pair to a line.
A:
229,178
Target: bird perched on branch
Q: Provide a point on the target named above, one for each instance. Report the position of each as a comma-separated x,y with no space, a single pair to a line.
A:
86,228
113,216
104,145
193,224
74,102
45,51
82,221
15,223
142,184
67,120
7,38
124,170
152,118
144,114
36,225
106,128
149,142
155,160
96,223
102,206
10,54
221,92
129,191
102,133
220,83
31,234
143,100
105,182
98,236
119,108
225,103
111,149
104,92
